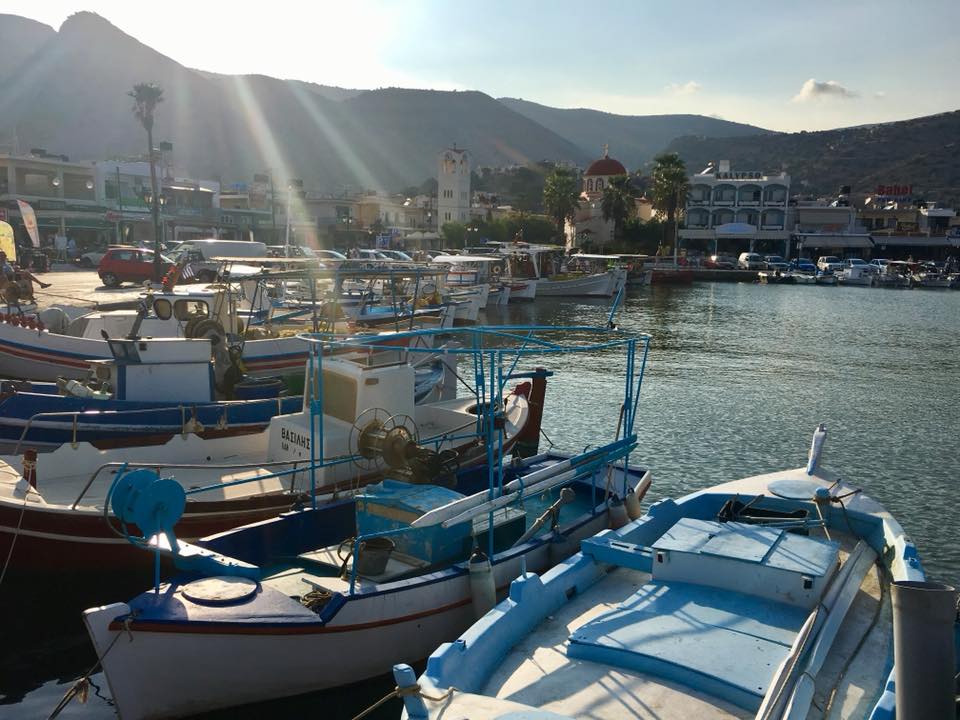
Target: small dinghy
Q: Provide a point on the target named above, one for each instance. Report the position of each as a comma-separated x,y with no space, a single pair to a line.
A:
767,597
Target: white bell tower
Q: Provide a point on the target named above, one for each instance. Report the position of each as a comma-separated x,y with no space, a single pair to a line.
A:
453,186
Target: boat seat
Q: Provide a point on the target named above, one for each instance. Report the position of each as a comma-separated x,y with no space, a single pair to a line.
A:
722,642
399,565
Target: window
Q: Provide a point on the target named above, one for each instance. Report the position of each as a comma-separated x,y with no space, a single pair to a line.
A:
187,309
599,184
163,309
590,185
126,255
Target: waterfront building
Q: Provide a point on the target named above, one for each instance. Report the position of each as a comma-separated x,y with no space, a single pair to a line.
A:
62,193
453,186
588,226
901,228
828,228
730,211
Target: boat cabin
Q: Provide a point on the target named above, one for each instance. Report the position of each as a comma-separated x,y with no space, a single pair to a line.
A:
176,314
153,369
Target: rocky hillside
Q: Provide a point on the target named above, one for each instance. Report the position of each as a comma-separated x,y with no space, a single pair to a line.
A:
923,152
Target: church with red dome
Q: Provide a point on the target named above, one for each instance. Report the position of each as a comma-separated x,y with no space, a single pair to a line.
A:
588,225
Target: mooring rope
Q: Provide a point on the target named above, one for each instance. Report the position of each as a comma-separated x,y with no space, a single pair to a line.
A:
16,534
79,688
401,692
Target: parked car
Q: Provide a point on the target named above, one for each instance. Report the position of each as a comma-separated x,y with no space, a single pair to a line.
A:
751,261
90,259
330,258
860,263
829,263
804,265
396,255
776,262
129,264
880,263
202,253
720,262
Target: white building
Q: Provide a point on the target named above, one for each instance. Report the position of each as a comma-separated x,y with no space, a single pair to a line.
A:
453,186
588,226
736,209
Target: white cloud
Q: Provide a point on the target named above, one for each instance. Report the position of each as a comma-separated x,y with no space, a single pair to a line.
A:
822,90
688,88
880,94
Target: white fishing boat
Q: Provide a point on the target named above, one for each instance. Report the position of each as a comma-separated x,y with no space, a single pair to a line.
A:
547,266
857,276
53,506
404,567
51,345
767,597
469,272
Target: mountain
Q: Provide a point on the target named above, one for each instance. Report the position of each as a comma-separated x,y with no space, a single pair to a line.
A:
633,139
923,152
70,96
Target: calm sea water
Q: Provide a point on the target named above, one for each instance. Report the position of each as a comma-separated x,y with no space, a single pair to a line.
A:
737,379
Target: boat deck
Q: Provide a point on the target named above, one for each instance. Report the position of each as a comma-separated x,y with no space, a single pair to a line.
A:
540,671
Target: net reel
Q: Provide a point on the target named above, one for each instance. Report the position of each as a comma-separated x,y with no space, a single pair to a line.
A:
377,437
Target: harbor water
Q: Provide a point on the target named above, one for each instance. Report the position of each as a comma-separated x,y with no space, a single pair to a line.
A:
738,377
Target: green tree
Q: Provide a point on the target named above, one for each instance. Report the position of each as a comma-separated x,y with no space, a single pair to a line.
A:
146,97
561,196
669,191
617,202
454,233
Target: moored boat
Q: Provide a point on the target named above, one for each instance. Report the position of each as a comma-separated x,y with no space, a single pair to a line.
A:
764,597
53,508
424,562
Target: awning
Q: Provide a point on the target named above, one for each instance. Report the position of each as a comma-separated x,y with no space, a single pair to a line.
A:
917,241
738,229
835,241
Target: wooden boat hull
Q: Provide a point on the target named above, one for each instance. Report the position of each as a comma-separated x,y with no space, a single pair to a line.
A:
223,663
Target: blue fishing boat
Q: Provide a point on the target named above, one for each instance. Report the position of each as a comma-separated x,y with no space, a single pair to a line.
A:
151,390
401,566
767,597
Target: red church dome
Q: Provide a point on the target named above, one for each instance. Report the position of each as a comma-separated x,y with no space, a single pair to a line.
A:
606,166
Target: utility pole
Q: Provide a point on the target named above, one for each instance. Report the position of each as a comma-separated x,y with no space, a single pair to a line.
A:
120,206
273,208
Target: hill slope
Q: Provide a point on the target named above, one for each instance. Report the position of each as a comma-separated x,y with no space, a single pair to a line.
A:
70,96
633,139
923,152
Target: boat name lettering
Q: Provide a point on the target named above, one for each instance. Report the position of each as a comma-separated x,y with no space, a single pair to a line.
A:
295,438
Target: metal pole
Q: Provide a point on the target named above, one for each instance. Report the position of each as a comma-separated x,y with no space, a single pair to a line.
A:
155,209
923,642
273,208
120,206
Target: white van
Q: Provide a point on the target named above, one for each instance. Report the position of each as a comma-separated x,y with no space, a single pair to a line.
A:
209,249
202,253
751,261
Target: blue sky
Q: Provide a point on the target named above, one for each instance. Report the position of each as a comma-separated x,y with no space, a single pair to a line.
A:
783,65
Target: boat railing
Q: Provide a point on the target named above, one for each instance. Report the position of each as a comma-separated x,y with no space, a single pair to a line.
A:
75,415
587,464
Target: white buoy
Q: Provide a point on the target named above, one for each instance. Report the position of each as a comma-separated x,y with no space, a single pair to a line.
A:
618,513
483,591
632,504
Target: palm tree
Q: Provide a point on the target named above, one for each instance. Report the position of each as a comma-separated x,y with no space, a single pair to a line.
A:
561,196
671,185
146,97
617,201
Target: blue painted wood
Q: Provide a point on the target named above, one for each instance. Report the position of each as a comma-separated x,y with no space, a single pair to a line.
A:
606,547
748,543
809,556
695,635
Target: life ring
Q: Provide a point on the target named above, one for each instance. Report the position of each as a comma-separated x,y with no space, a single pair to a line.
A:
496,270
200,327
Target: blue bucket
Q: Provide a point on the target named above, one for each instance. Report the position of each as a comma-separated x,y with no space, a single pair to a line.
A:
258,388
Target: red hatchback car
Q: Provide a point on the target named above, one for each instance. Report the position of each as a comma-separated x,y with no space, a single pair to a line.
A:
129,264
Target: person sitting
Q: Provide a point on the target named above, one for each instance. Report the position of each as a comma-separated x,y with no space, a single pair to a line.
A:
17,285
